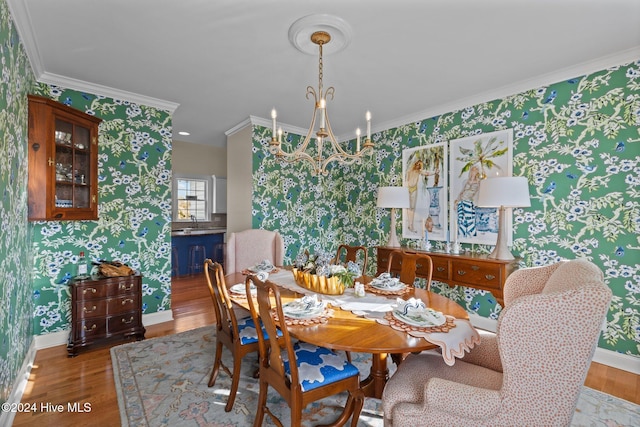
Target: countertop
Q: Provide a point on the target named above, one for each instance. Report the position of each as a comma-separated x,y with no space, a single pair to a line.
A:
197,231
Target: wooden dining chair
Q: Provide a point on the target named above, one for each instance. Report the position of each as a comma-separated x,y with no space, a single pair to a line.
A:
410,264
280,365
346,253
235,329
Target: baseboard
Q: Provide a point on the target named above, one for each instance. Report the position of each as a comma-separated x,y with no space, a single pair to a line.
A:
19,384
614,359
59,338
157,317
617,360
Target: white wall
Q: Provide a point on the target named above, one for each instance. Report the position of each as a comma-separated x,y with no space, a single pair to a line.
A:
239,179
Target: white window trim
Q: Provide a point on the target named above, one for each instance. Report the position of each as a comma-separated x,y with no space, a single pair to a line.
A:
208,195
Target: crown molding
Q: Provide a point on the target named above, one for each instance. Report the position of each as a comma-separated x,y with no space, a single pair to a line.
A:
259,121
22,20
96,89
599,64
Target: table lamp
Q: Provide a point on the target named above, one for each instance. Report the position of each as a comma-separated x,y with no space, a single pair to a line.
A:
393,197
501,193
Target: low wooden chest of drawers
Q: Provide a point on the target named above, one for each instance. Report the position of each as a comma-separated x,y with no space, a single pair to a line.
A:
105,308
472,271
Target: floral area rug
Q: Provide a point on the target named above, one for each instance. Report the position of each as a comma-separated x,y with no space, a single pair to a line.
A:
163,382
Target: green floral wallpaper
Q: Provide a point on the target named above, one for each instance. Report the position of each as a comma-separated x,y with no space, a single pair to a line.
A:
576,141
134,210
16,307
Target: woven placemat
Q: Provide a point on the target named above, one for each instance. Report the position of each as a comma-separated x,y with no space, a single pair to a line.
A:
290,321
399,292
401,326
248,272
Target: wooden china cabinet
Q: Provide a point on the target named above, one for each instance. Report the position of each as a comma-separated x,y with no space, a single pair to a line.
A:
63,162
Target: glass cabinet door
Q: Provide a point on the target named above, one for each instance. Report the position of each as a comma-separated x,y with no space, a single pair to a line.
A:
72,184
63,162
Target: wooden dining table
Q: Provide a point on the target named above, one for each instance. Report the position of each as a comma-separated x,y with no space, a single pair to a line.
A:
350,332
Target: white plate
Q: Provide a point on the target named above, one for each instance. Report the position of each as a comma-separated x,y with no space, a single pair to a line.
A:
420,321
241,289
295,309
382,287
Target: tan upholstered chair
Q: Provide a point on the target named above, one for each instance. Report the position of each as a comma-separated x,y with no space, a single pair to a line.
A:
249,247
527,374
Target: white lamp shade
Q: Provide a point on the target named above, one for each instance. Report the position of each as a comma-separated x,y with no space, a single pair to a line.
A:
393,197
507,191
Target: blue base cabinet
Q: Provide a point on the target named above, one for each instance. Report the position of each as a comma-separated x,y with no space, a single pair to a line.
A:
183,244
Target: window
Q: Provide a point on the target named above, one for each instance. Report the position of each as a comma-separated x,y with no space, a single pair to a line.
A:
192,198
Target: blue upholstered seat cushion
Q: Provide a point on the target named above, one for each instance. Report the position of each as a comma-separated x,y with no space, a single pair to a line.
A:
318,366
247,331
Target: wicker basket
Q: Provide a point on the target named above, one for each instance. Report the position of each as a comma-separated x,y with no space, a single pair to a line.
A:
320,284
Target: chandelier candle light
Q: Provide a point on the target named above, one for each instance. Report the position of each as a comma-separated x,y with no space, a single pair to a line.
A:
324,134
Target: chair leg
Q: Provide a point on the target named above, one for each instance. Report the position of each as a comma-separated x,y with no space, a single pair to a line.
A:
216,364
235,380
262,402
352,409
357,408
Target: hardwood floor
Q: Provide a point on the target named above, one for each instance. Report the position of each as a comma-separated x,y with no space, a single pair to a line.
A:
88,378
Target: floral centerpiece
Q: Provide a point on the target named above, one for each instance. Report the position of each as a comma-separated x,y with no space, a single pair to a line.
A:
317,273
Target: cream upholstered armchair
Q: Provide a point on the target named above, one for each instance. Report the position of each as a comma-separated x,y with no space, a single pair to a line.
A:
529,373
249,247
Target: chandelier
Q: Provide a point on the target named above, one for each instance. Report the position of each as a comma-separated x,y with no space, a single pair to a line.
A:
325,139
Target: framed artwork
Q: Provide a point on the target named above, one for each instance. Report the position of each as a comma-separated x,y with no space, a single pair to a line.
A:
424,171
472,159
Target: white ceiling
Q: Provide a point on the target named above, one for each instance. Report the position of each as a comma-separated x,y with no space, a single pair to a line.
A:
223,61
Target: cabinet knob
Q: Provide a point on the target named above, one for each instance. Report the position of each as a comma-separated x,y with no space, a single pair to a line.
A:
489,276
127,301
440,268
125,321
89,311
92,290
462,272
475,268
91,328
124,287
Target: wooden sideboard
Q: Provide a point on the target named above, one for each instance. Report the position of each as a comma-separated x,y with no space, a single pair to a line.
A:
103,308
473,271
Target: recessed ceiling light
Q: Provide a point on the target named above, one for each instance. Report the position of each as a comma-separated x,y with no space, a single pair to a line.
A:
183,133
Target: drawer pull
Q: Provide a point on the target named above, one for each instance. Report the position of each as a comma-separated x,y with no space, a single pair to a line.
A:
92,328
490,276
123,286
93,290
89,311
462,272
127,301
440,268
125,321
475,268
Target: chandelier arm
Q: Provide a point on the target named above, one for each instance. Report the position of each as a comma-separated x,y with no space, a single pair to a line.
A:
324,135
336,146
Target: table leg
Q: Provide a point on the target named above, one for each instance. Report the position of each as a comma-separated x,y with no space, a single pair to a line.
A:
378,376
